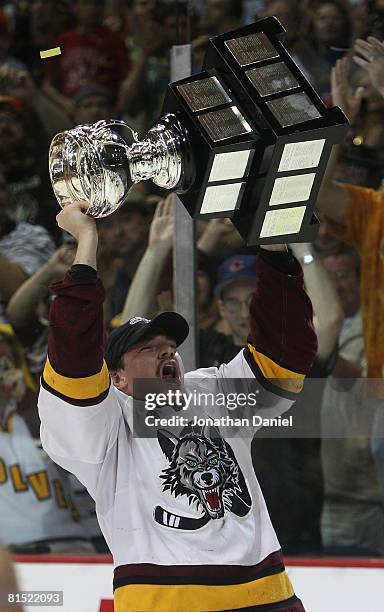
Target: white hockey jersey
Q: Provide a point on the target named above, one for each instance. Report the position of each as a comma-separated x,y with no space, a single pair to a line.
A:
178,544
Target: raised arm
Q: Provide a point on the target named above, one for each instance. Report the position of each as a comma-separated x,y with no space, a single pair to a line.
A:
215,233
333,198
11,277
282,343
21,308
134,87
21,85
78,410
325,300
77,335
370,57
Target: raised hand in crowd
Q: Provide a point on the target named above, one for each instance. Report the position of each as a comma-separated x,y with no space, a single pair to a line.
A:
222,231
371,58
216,231
23,304
333,199
349,101
19,84
163,223
150,37
150,40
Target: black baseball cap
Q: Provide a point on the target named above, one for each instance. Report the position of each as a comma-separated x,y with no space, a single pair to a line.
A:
136,328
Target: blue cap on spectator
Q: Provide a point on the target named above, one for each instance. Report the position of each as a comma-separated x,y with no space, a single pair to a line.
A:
236,268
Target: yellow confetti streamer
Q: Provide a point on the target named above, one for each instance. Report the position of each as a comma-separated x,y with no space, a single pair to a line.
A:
50,53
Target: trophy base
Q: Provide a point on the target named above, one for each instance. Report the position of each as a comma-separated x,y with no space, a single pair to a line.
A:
163,156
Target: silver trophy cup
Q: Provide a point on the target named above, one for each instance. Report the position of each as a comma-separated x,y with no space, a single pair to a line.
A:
99,163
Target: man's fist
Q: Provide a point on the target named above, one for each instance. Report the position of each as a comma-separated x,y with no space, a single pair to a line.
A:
73,220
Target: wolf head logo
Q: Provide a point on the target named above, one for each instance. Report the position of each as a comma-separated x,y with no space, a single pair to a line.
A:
203,467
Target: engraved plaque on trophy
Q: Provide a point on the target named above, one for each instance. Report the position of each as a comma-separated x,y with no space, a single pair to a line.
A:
293,109
205,93
272,79
224,123
252,48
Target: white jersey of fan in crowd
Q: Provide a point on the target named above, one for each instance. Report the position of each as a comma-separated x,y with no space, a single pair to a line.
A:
35,500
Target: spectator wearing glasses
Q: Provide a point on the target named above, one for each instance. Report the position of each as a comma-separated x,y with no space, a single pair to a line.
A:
235,282
236,279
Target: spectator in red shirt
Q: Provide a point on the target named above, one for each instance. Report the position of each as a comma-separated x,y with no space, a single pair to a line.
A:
90,55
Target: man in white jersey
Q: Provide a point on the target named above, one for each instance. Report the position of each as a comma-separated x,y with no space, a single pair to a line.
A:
182,512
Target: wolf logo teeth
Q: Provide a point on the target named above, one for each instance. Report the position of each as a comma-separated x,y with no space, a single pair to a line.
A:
204,468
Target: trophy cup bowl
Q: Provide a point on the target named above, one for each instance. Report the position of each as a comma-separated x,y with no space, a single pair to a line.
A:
98,164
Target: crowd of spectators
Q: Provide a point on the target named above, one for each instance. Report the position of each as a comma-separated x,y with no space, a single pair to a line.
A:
115,63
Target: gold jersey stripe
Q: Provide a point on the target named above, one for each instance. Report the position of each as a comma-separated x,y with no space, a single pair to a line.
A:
189,598
77,388
279,376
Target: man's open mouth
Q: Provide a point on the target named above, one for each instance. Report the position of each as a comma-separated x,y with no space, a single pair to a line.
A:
212,498
169,370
